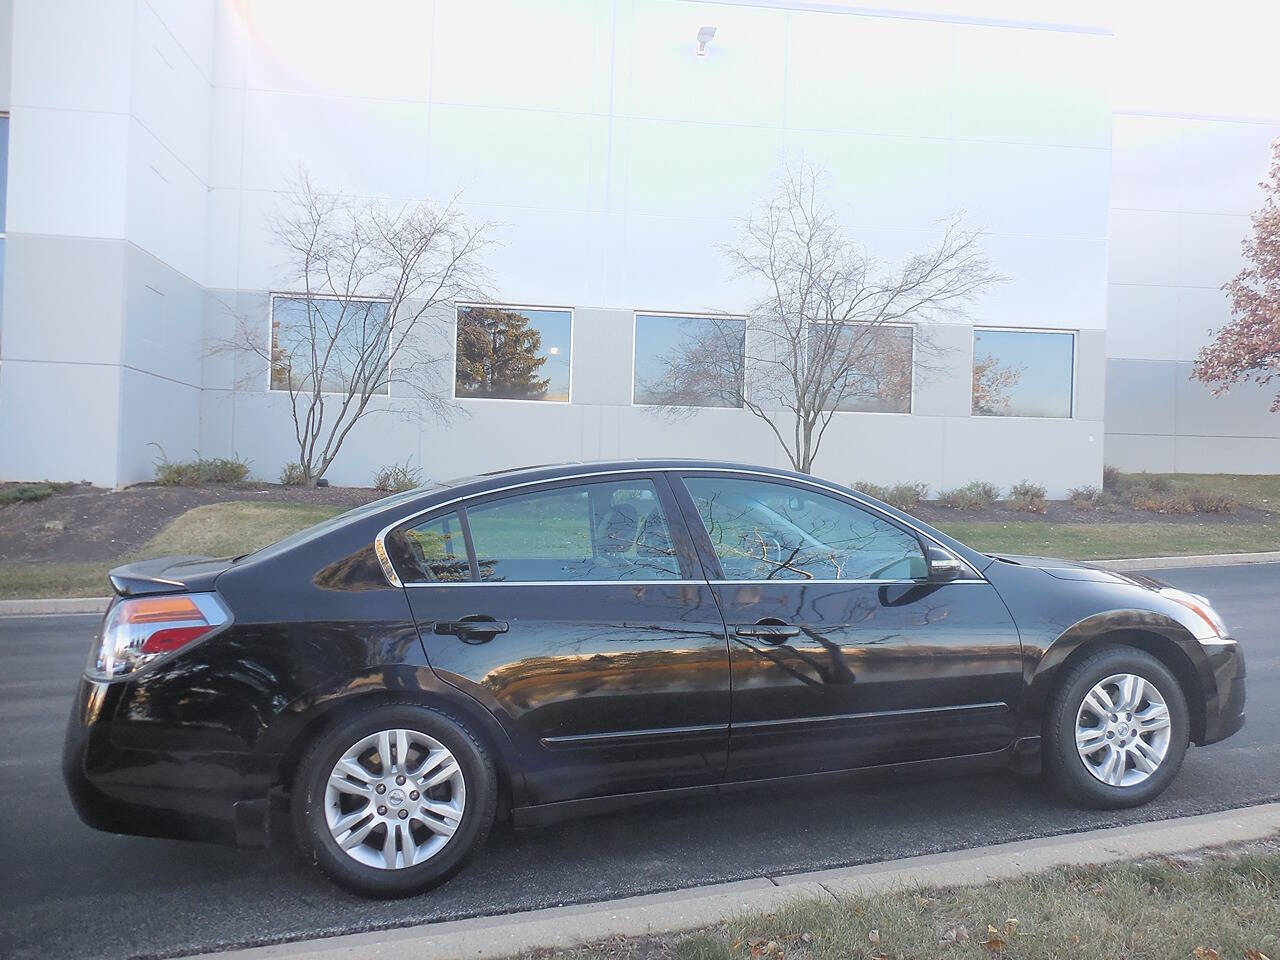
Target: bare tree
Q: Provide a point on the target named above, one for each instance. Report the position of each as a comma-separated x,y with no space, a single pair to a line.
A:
829,331
369,278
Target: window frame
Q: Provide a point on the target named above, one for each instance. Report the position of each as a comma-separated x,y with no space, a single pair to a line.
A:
686,554
711,560
453,375
911,400
668,481
1075,368
635,325
271,316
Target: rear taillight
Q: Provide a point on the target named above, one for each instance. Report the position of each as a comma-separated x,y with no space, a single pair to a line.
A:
138,630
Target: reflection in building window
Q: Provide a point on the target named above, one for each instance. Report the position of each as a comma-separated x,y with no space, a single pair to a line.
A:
513,353
1022,373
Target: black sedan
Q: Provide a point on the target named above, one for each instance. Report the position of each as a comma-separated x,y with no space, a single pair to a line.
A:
548,641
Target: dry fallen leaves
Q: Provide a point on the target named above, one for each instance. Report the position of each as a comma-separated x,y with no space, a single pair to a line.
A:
1206,953
1254,954
874,936
953,936
994,942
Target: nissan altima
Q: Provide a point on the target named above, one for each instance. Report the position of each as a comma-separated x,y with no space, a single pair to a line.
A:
546,641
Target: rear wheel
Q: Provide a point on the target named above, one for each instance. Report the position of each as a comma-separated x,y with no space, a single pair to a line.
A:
393,801
1117,729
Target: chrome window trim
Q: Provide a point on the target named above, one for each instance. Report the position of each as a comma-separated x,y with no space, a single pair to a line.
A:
392,576
559,583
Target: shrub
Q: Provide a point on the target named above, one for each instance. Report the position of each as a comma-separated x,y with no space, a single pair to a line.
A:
397,477
1026,496
977,495
904,496
1162,502
1206,501
1087,497
292,476
28,492
1110,478
199,470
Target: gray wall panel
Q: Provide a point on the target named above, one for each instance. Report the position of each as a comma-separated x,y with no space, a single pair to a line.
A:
1140,396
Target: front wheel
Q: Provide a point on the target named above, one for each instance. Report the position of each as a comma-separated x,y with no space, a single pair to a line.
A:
392,802
1117,729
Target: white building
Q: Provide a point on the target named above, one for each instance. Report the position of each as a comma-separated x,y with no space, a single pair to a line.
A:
149,141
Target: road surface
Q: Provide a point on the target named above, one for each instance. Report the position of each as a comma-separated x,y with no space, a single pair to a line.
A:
73,892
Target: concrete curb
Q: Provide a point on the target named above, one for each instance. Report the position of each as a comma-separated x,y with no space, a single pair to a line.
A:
55,605
1203,560
483,938
27,608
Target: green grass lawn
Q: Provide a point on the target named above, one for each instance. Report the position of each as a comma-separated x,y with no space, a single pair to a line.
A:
213,530
1216,907
1097,541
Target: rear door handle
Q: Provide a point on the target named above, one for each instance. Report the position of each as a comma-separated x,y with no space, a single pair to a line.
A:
476,628
770,632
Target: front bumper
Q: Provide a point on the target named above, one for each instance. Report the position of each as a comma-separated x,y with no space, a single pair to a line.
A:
1225,694
184,795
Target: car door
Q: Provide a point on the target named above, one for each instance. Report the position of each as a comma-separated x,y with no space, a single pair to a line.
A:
843,652
580,616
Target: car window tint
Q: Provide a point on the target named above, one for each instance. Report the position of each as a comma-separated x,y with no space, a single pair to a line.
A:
774,531
594,531
438,549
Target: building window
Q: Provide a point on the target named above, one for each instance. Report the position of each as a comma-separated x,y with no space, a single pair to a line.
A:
868,367
685,361
513,353
1022,373
340,344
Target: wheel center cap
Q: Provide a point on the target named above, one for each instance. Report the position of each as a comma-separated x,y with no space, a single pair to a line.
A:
1123,729
396,796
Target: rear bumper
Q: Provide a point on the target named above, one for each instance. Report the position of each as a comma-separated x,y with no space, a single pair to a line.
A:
155,793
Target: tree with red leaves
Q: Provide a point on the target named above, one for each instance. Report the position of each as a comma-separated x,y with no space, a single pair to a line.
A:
1248,347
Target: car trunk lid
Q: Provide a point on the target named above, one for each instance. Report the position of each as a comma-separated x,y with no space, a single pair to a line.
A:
168,575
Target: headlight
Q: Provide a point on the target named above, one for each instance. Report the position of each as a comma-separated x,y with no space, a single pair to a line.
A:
1209,626
139,630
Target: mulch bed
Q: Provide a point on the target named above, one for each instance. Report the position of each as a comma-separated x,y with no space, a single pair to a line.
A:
89,524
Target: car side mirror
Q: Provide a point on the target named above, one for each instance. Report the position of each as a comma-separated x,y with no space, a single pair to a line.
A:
943,565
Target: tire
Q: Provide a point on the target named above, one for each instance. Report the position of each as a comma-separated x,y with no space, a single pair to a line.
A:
395,845
1117,764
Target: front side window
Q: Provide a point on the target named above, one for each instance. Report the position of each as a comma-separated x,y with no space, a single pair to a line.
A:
341,345
689,361
438,551
613,530
774,531
867,368
513,353
1022,373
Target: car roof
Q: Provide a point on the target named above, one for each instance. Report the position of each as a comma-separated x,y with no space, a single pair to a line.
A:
576,468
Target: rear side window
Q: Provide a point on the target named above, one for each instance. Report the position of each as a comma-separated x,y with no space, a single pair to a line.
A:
438,550
613,530
774,531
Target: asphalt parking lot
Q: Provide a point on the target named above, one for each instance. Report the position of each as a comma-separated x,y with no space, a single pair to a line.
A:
73,892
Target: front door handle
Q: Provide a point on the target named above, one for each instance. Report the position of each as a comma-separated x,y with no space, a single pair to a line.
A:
769,630
476,628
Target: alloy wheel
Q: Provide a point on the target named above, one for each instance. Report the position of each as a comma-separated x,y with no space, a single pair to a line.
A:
394,799
1123,730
